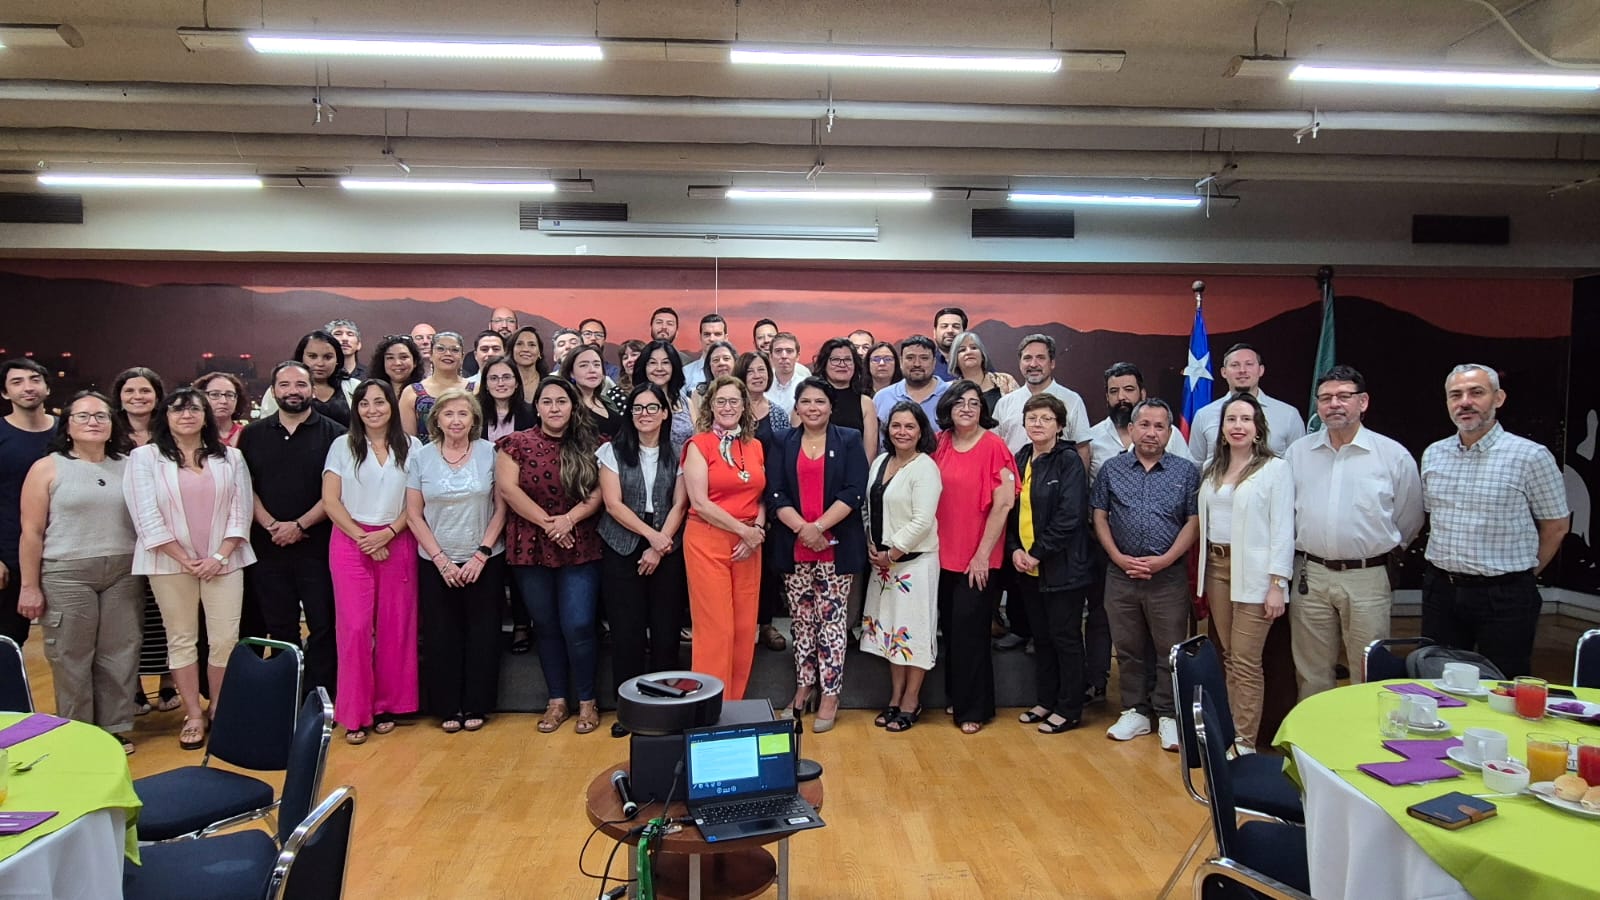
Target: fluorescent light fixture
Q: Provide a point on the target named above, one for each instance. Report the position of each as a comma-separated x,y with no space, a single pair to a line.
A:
150,181
43,37
422,47
1151,201
424,186
833,56
828,196
709,231
1463,78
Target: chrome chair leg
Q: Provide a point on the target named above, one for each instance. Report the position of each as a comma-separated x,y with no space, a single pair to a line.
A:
1188,857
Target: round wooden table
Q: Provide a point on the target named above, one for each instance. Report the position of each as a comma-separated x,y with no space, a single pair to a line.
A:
686,866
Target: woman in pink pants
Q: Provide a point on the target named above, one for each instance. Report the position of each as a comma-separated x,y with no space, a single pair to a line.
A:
373,559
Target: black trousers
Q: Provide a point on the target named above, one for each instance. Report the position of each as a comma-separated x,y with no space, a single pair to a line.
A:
1097,634
460,639
964,616
283,586
1497,619
1057,618
13,624
644,610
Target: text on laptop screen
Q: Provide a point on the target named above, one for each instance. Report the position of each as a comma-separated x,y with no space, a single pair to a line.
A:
749,759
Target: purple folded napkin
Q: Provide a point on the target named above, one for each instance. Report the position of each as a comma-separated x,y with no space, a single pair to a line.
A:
32,726
1410,771
18,822
1422,749
1445,700
1569,706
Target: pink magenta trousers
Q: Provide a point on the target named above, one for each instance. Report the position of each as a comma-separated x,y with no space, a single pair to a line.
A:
375,622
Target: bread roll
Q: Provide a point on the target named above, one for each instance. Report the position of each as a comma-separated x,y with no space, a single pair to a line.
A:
1570,787
1591,799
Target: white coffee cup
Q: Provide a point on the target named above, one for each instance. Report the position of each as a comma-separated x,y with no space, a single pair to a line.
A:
1461,676
1421,710
1480,744
1505,776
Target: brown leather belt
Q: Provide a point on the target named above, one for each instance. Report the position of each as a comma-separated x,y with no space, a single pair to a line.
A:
1345,565
1218,551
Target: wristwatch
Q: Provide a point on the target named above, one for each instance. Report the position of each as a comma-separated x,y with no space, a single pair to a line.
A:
220,558
1278,581
486,550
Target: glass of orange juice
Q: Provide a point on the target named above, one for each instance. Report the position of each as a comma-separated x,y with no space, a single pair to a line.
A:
1547,757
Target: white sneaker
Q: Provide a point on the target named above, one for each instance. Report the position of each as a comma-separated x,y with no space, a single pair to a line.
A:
1169,733
1132,724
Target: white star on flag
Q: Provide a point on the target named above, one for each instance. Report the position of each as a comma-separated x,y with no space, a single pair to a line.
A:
1196,371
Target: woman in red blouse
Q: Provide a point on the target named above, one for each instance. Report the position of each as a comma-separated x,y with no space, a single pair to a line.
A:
980,487
724,470
550,480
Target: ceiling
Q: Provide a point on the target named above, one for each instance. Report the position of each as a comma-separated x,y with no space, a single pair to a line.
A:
134,96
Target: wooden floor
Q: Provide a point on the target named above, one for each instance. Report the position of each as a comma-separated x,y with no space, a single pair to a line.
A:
930,813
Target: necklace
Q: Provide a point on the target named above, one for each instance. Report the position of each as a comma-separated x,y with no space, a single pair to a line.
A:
458,460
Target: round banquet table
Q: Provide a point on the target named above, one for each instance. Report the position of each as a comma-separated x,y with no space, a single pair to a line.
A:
733,869
78,853
1362,844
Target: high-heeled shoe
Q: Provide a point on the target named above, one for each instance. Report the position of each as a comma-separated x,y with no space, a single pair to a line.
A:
793,713
819,725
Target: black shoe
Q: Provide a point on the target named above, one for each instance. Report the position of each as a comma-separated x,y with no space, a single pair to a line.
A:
1094,695
617,730
1011,641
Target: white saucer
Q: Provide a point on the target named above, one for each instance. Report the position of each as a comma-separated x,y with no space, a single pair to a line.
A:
1479,691
1439,727
1545,790
1459,754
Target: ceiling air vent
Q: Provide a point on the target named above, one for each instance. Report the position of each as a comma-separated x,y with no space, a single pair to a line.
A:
529,214
1494,231
41,209
1022,223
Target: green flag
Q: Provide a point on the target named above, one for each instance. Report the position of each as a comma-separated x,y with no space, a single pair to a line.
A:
1325,351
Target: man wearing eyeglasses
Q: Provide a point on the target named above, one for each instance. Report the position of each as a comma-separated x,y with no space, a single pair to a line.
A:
593,333
422,335
861,340
24,435
1357,500
787,371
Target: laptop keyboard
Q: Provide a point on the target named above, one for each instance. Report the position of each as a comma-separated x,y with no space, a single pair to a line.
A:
763,808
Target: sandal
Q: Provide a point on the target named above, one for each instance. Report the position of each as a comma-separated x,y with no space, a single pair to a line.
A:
355,736
451,725
1033,716
554,715
889,714
521,642
474,722
383,724
971,727
193,735
127,745
1052,726
169,700
141,704
904,720
588,716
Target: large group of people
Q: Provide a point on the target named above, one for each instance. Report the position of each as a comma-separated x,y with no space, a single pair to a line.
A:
888,495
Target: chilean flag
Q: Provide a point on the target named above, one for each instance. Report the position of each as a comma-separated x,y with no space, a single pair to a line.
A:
1197,381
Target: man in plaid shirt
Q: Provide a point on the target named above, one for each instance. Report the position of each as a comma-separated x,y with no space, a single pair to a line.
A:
1498,513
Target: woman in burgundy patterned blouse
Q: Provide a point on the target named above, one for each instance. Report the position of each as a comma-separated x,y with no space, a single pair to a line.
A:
550,480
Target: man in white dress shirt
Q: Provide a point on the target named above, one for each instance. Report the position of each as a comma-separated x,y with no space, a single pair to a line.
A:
1357,500
713,328
1112,435
1036,358
1242,368
787,371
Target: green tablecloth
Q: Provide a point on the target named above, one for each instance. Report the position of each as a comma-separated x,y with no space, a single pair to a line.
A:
86,771
1529,851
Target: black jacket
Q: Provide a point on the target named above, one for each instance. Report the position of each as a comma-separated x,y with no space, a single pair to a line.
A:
844,477
1060,505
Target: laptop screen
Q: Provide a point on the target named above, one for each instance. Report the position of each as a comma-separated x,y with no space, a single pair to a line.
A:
741,760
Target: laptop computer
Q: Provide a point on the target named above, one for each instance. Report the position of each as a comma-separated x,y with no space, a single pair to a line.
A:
742,783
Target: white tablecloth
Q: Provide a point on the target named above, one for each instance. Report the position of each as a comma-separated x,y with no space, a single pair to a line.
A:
1357,851
82,861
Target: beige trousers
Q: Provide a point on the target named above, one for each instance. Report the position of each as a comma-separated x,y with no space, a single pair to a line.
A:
1242,628
1349,609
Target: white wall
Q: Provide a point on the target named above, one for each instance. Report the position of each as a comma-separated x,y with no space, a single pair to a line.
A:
1273,224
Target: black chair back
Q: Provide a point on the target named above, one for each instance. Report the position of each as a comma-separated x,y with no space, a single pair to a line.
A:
308,756
1214,761
15,694
1381,663
312,864
1195,663
1586,667
253,727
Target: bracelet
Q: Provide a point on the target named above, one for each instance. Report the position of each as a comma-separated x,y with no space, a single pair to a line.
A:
273,524
392,531
299,526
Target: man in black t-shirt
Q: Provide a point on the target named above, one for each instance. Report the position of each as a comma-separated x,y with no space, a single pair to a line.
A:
285,452
24,435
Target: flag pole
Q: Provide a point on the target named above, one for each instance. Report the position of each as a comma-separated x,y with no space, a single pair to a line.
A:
1326,347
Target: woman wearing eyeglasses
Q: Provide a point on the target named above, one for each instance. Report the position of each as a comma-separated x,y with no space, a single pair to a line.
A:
76,555
980,488
191,501
883,367
846,378
772,423
724,469
641,563
449,349
224,391
500,397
